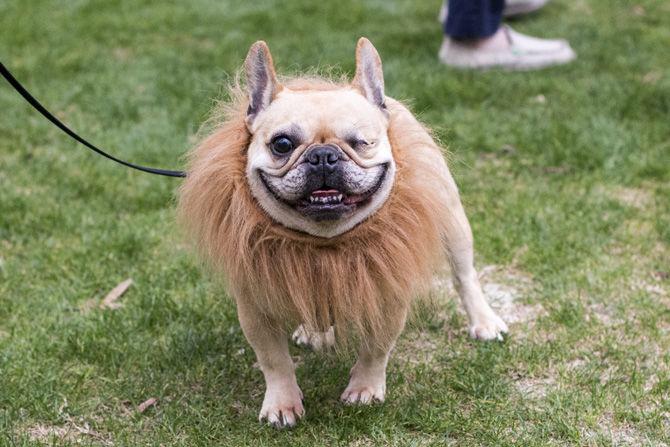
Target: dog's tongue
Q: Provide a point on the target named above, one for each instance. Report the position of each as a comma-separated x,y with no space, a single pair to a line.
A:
325,192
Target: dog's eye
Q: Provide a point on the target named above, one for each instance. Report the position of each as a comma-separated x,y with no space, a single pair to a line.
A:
358,144
281,145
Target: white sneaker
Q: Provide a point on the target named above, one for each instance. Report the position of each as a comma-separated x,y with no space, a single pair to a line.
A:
512,8
521,52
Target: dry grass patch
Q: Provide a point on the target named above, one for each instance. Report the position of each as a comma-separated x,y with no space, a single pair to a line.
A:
617,433
79,432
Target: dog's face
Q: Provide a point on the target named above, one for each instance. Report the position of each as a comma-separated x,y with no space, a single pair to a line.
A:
319,161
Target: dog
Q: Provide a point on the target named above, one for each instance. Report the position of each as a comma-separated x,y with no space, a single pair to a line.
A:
327,205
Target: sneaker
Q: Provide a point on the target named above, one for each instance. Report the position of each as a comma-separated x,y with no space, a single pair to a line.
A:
512,8
513,51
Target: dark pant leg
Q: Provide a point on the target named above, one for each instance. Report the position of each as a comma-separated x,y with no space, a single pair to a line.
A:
472,19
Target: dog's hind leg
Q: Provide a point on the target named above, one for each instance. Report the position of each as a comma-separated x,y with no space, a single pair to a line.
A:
282,405
367,381
484,323
314,340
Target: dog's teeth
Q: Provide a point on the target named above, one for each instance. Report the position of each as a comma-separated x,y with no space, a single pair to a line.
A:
328,199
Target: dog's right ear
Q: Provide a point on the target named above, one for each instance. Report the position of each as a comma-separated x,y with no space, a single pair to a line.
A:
261,79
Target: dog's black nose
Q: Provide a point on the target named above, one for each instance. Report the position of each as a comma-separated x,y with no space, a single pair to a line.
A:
323,155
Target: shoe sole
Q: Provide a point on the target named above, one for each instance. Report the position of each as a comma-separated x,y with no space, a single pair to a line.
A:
563,58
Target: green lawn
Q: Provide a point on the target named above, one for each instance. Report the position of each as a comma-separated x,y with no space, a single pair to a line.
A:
565,174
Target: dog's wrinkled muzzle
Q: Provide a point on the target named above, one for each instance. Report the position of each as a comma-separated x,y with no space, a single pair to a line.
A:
324,165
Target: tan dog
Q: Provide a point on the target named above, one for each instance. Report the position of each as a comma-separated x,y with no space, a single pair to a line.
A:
326,204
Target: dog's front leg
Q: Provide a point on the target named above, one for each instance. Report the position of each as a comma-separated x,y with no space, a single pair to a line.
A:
282,405
367,381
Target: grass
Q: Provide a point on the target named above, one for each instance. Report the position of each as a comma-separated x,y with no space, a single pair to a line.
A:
565,175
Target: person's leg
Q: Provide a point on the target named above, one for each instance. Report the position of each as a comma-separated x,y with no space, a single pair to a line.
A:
473,19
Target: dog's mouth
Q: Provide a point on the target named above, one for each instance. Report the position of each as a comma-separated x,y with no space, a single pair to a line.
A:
328,203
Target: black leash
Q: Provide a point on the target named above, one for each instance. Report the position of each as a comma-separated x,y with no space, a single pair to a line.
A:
40,108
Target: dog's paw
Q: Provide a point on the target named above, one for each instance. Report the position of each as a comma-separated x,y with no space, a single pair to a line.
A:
282,407
364,388
316,341
489,327
362,394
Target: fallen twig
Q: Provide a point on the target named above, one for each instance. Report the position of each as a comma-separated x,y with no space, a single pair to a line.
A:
141,408
110,301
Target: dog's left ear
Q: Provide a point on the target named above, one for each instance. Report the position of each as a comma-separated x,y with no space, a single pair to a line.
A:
369,77
261,79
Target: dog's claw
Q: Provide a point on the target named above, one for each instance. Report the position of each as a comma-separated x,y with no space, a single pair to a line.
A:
284,418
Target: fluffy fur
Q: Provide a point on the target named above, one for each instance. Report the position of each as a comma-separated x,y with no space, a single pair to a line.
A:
355,280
